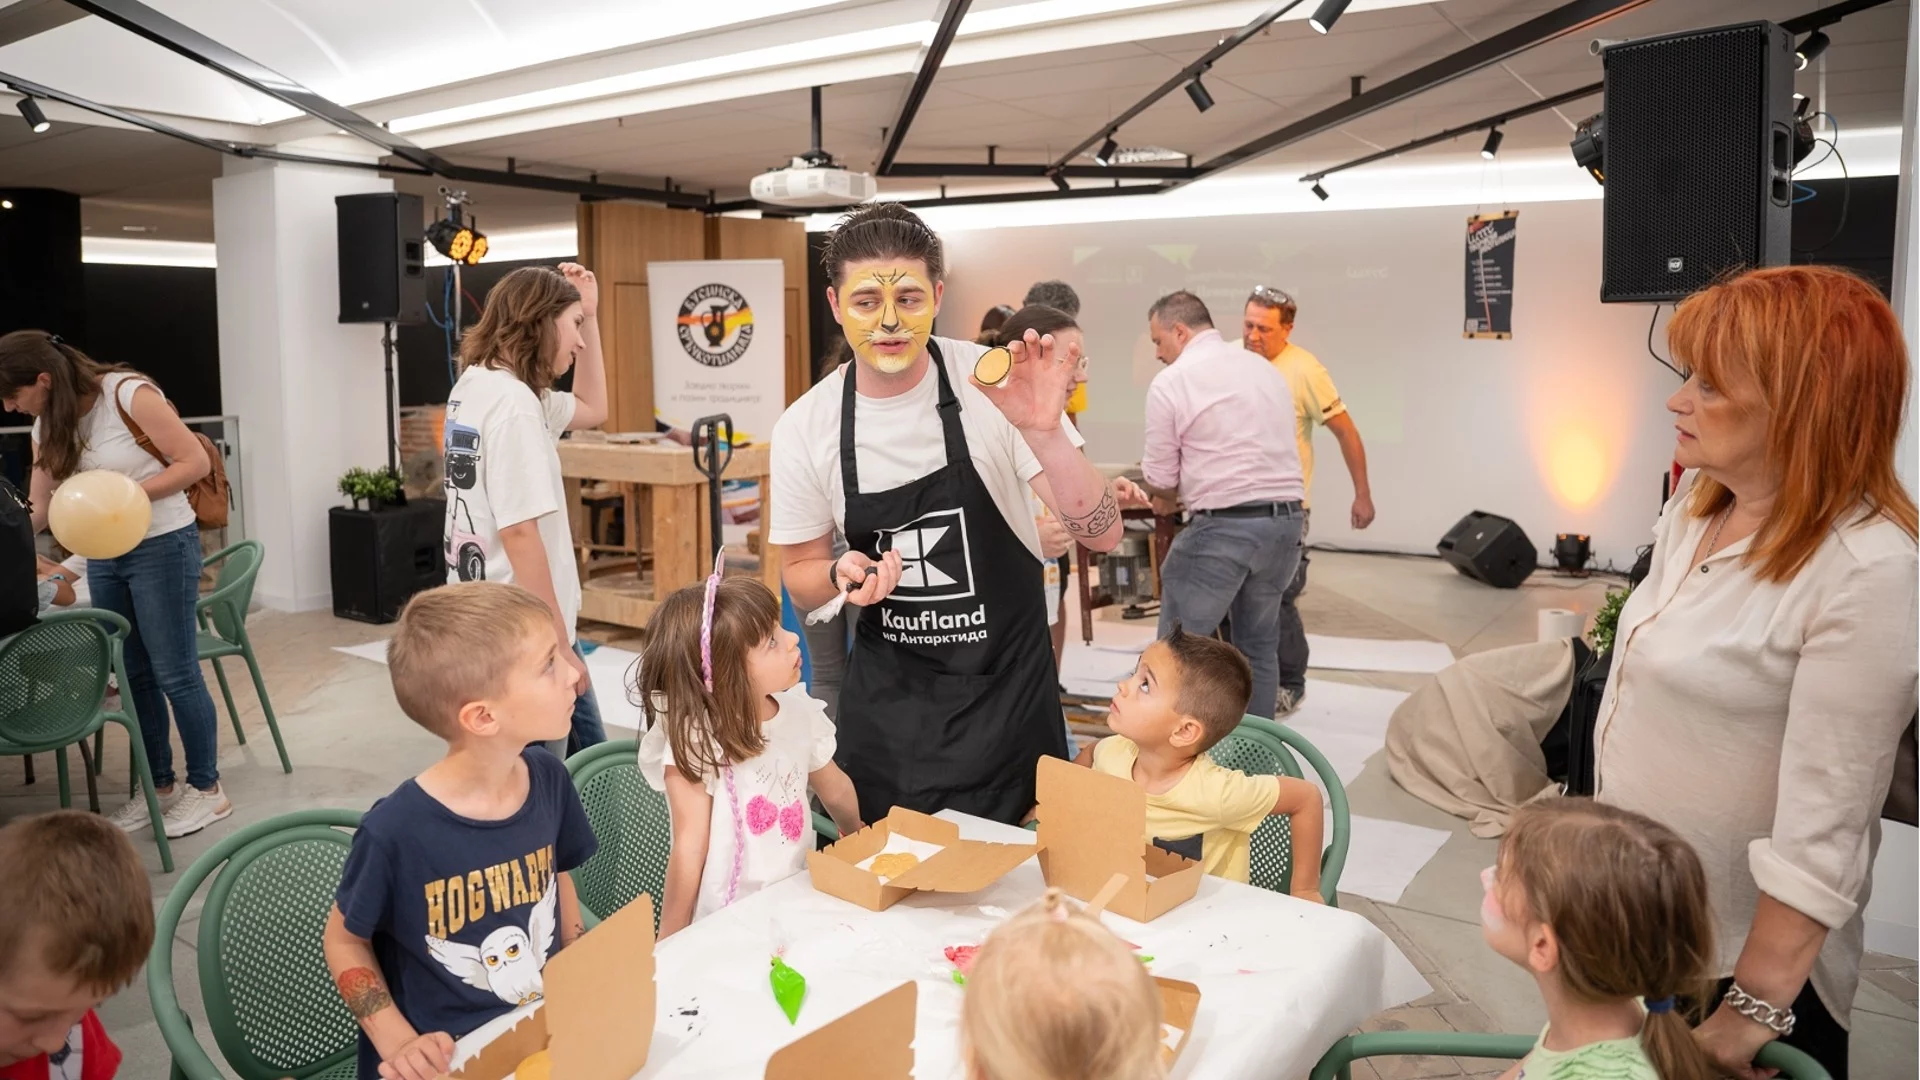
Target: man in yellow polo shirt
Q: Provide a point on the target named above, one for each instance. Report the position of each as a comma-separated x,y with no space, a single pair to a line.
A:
1268,326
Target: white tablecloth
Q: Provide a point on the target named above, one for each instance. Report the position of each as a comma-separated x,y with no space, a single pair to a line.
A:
1280,978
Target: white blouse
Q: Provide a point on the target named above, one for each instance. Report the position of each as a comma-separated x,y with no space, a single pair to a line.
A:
106,443
762,802
1760,721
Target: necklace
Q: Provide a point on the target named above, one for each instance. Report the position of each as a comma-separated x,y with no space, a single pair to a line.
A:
1715,537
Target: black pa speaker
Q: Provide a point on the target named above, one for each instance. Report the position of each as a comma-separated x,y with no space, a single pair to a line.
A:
383,275
1699,159
380,558
1489,548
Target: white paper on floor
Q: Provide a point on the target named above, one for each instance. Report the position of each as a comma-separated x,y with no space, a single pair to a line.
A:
1346,751
1383,856
1357,710
1366,654
1092,670
606,665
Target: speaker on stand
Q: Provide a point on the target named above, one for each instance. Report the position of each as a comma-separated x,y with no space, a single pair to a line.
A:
1699,155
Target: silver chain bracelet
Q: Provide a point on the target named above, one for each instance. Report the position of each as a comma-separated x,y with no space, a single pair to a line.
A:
1772,1017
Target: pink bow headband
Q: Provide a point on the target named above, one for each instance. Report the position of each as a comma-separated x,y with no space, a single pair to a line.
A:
706,619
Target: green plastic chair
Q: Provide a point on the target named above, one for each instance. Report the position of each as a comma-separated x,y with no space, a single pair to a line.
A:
1263,748
1792,1063
269,998
53,692
223,630
634,828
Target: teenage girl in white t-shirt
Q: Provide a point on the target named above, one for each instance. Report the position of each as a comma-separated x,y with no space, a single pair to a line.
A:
78,427
735,742
506,502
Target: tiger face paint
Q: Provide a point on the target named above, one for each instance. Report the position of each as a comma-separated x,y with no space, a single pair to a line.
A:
886,311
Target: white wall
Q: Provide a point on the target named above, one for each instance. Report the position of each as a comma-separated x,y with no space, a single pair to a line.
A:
309,392
1562,428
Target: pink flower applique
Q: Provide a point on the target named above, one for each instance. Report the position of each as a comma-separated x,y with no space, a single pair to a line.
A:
793,820
761,814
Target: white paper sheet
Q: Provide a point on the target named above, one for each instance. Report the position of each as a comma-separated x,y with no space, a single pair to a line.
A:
1366,654
1092,670
1347,751
1358,710
375,651
1383,856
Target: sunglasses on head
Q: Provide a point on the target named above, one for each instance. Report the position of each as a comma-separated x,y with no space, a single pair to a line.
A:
1271,295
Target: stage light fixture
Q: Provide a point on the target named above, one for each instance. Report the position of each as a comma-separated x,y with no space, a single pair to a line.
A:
36,119
1810,48
1327,14
477,250
1320,191
6,204
450,238
1589,146
1492,146
1201,99
1572,552
1108,151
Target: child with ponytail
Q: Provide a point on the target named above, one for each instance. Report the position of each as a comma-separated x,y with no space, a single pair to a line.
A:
735,743
1608,911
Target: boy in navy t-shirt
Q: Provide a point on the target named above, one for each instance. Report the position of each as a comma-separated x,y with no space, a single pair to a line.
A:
456,892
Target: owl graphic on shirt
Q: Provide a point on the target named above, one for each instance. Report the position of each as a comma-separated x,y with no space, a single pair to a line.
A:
508,963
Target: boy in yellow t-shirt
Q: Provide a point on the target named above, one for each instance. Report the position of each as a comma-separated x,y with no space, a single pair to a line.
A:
1187,694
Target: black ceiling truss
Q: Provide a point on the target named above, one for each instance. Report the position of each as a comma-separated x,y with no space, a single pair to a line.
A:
1827,16
1003,171
1481,124
951,12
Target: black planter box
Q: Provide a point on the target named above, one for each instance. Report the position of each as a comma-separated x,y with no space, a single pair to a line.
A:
380,558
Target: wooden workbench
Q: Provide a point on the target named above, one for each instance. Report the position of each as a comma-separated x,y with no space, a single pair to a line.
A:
667,528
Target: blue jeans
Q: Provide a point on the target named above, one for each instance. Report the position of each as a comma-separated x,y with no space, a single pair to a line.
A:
1234,568
155,587
1293,633
587,728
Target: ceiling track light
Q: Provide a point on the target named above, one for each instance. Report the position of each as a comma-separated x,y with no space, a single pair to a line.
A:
1327,14
1492,145
1810,49
1320,191
36,119
1201,99
1108,151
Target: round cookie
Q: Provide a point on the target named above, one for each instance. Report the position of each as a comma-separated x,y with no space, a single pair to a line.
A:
893,864
537,1066
993,367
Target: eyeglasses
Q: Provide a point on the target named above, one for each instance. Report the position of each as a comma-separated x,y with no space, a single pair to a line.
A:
1269,295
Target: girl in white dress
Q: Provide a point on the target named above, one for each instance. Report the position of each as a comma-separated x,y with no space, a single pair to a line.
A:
735,742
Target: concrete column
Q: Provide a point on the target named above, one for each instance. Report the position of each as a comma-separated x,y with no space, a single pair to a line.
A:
308,390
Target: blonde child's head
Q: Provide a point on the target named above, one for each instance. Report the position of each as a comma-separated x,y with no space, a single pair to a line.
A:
1612,905
480,660
1053,995
744,650
78,927
1188,692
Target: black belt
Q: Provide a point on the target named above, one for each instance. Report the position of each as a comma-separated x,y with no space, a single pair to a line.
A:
1290,508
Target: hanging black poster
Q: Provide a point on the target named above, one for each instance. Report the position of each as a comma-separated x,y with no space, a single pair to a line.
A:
1490,241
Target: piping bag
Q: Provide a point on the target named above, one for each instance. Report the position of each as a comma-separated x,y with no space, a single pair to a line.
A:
831,608
789,986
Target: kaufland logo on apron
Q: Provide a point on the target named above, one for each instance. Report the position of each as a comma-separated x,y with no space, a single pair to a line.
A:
935,560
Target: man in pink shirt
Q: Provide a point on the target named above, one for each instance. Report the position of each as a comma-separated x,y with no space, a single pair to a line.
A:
1219,436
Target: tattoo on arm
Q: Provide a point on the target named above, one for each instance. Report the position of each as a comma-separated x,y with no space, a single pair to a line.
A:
363,991
1097,521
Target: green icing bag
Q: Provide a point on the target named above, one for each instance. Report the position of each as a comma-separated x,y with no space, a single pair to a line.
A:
789,989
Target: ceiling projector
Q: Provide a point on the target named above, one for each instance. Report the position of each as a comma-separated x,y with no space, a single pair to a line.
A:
811,181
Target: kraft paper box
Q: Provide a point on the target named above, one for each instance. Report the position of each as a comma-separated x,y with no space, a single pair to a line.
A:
1092,826
1179,1003
873,1042
961,866
597,1017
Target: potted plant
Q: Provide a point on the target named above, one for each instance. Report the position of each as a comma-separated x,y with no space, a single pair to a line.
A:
378,488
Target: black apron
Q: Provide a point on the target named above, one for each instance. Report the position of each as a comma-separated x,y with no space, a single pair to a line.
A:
951,696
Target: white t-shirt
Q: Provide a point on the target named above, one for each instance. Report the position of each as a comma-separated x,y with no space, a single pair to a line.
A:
107,444
897,440
502,468
771,792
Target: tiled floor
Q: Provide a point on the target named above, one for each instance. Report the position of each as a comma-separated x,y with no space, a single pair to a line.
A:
350,745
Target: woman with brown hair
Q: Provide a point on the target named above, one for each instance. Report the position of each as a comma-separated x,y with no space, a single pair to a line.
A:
86,415
1765,669
506,502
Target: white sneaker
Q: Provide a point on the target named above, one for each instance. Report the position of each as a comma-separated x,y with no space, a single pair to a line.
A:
132,815
195,811
1287,701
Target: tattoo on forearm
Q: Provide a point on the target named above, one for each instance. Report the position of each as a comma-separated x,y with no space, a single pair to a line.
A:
1097,521
363,991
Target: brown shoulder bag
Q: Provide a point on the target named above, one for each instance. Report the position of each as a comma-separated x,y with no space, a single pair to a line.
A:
210,496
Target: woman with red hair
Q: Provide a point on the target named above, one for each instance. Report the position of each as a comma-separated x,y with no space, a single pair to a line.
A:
1765,669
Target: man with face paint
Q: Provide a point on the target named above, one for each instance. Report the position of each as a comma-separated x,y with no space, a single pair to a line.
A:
951,694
